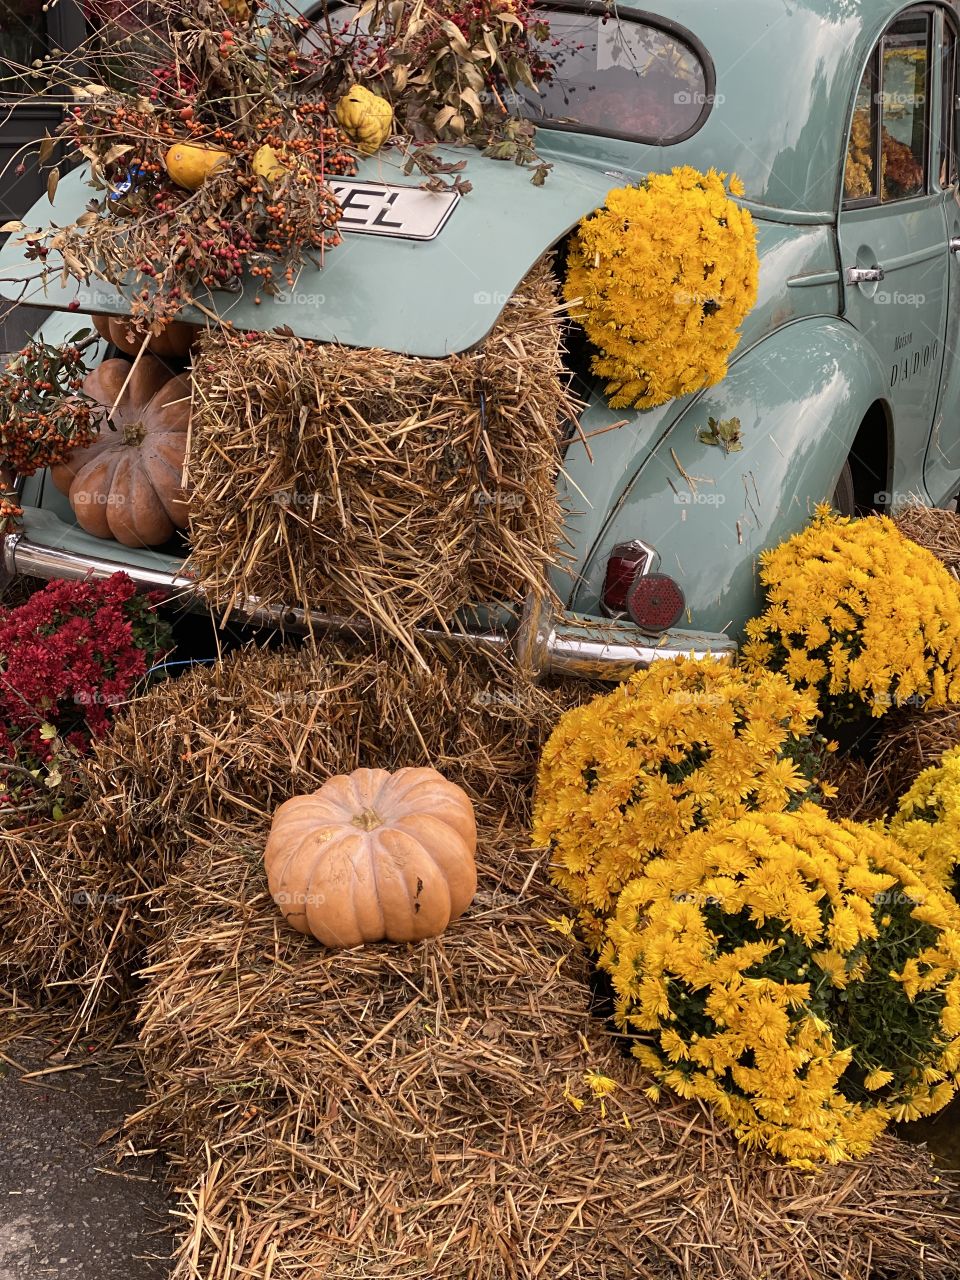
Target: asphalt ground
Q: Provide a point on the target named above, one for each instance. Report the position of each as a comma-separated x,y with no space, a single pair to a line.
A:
68,1209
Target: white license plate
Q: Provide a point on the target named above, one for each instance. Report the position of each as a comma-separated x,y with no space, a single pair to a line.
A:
376,209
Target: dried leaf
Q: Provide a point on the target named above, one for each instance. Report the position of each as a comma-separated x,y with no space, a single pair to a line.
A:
53,179
523,74
116,152
470,98
504,150
12,226
443,117
455,36
47,147
73,264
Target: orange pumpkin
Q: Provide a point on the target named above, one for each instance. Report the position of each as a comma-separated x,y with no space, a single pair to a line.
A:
173,341
374,855
126,484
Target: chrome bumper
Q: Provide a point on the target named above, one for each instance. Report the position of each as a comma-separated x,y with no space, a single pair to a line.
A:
569,645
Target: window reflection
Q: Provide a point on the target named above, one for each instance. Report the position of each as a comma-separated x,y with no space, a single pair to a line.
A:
618,76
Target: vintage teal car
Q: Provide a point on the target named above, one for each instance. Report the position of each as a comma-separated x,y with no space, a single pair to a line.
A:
840,117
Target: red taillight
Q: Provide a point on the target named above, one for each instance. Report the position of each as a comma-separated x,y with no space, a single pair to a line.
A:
654,601
627,559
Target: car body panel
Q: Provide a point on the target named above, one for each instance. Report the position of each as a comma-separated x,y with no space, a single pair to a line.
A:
800,397
798,279
784,73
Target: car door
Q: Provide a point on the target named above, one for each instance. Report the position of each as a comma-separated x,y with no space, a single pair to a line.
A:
893,248
941,470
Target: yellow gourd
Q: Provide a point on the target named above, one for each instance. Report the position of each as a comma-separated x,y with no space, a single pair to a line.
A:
366,118
189,166
238,10
266,164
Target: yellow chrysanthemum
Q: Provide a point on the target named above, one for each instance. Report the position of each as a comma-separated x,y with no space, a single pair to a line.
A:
661,278
927,821
751,965
678,747
859,613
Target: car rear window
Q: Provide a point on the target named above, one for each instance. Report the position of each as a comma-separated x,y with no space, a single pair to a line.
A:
641,78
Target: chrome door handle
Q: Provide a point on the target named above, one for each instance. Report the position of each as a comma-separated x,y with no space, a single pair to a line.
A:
861,275
954,244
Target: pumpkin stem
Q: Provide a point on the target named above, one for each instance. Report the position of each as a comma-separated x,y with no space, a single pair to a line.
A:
367,819
134,432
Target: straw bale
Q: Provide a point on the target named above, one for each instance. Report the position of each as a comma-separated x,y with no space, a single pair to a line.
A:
238,738
230,742
71,910
935,529
407,1112
910,741
366,484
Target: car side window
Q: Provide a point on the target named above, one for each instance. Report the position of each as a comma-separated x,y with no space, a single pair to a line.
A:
890,130
904,105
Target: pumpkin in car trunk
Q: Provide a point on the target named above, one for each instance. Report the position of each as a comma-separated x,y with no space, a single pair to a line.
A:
173,341
373,856
126,484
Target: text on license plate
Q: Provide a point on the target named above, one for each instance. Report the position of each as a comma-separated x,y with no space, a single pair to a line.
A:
377,209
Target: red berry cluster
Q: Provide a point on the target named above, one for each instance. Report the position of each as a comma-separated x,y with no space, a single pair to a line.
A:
11,512
173,86
44,414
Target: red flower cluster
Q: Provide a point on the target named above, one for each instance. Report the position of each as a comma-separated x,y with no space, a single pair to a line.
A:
68,657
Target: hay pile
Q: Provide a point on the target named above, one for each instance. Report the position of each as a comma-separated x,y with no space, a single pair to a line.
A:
411,1112
403,1112
366,484
228,744
72,906
911,740
935,529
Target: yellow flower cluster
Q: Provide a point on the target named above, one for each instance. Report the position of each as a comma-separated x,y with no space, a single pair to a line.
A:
860,614
662,276
927,821
679,746
796,974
